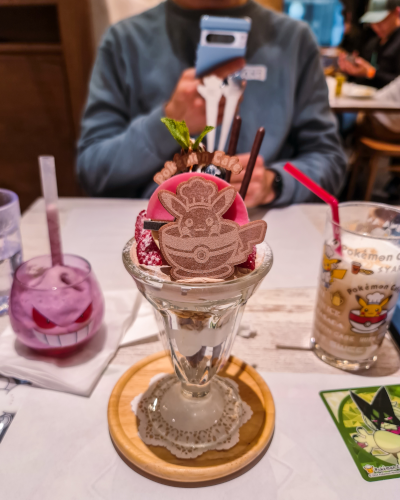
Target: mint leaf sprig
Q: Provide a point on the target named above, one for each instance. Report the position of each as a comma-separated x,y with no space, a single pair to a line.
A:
180,132
201,137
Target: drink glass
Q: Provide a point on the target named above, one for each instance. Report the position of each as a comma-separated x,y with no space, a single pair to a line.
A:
10,244
359,285
55,309
198,323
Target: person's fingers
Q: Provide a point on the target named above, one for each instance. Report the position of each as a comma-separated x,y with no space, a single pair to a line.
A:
189,74
258,172
198,103
245,157
230,67
241,97
252,195
189,89
252,198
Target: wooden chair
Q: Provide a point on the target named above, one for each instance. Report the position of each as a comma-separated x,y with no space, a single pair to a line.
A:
372,150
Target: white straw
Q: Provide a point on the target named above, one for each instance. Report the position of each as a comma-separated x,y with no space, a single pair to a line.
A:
49,189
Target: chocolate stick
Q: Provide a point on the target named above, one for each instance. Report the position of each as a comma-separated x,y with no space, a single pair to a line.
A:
237,123
252,161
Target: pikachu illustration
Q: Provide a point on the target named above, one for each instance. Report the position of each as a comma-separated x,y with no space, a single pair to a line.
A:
371,316
329,267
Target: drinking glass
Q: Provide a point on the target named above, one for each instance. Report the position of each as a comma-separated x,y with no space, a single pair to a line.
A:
55,309
198,324
10,244
359,285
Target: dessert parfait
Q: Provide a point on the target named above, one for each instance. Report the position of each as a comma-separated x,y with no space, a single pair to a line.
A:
197,259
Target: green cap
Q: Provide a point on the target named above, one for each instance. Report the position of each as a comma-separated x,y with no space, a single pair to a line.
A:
377,10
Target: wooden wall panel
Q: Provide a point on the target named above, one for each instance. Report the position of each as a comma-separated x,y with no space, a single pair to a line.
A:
35,118
272,4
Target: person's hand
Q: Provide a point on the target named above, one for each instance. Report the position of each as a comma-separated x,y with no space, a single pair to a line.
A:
359,68
187,104
260,191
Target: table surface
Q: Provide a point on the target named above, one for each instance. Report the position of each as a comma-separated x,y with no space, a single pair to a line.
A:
351,104
279,317
303,461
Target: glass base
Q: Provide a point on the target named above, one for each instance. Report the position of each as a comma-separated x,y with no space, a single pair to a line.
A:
188,426
343,364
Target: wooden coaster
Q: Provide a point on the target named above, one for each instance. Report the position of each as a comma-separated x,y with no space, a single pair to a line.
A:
212,467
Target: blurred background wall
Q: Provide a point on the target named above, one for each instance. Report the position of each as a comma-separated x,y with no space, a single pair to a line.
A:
47,49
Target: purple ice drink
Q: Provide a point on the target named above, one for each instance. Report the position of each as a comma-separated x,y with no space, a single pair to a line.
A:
57,308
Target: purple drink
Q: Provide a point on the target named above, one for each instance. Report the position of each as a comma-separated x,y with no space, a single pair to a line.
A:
55,309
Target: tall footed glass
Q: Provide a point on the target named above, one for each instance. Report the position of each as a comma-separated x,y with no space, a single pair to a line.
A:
198,323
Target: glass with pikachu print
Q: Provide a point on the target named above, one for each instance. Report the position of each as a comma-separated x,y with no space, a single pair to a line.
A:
368,420
358,286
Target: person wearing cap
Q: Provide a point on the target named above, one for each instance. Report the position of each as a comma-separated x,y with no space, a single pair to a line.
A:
379,61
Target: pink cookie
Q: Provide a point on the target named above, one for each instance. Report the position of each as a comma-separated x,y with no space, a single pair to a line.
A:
155,211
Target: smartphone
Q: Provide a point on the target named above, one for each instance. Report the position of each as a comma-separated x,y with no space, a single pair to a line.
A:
351,59
394,327
222,39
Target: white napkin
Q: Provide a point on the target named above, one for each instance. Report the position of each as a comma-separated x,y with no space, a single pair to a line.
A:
77,373
58,447
128,318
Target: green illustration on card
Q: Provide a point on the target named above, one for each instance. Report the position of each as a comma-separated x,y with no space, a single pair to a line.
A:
369,421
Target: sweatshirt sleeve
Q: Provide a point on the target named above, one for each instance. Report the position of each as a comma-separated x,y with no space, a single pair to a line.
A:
313,135
118,153
383,78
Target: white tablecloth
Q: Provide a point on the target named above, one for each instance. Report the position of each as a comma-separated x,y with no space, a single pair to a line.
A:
58,448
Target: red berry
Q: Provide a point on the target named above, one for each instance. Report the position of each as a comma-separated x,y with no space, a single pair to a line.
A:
147,251
251,260
139,224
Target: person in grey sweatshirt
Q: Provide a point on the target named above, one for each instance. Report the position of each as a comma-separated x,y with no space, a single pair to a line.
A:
144,71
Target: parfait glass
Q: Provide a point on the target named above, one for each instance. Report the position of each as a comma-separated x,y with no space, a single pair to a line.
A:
198,323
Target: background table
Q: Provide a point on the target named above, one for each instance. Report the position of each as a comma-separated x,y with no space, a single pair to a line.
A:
352,105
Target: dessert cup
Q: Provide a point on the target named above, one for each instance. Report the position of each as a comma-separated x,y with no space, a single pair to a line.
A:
198,322
55,309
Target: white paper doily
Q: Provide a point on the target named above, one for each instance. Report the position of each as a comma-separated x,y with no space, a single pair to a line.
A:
222,435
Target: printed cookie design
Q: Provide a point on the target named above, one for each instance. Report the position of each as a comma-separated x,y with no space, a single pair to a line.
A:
201,243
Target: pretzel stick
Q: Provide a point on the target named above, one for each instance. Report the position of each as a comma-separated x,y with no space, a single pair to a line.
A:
237,122
252,161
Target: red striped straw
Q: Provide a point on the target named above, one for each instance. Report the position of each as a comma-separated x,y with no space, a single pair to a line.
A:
321,193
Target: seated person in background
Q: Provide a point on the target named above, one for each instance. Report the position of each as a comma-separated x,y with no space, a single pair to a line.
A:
379,60
383,126
356,34
144,71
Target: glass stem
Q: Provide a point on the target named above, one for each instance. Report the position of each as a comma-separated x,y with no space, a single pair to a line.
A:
194,391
